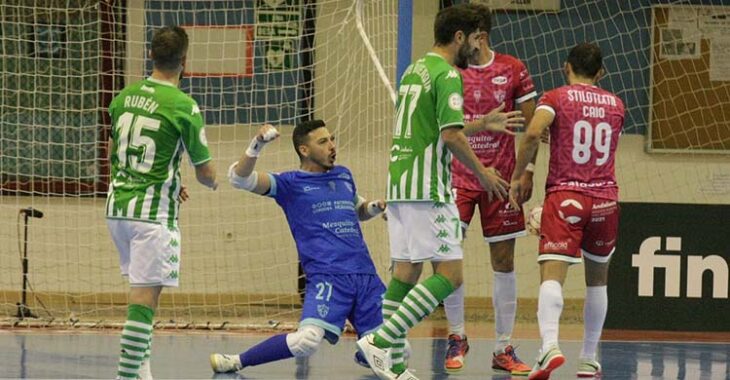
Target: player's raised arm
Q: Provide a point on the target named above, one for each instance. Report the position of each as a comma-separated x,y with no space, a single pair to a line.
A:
528,149
241,174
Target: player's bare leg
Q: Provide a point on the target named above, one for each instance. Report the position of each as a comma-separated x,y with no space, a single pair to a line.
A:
594,314
504,300
137,333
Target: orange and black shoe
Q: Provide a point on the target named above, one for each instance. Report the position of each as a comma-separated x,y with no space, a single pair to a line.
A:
508,362
458,347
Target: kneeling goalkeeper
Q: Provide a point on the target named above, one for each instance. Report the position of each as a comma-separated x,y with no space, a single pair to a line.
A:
323,210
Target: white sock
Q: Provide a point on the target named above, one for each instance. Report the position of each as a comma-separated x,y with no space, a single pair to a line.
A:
549,308
594,314
504,300
454,307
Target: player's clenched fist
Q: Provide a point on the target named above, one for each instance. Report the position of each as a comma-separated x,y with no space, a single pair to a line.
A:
267,133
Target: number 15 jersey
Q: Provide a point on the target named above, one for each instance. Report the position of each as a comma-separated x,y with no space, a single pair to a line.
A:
583,139
153,124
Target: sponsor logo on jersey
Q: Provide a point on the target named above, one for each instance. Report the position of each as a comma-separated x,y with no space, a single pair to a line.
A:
452,74
477,95
572,219
307,189
344,176
144,88
456,102
500,80
499,95
195,110
555,245
604,205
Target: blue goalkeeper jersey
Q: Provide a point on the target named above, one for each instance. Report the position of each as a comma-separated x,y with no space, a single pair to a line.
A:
320,209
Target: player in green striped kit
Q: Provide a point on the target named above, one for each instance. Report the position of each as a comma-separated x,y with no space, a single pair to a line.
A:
154,123
423,221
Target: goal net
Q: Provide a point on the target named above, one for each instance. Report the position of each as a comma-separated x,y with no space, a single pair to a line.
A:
249,62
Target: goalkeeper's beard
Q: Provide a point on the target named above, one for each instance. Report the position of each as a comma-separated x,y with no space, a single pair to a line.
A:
327,163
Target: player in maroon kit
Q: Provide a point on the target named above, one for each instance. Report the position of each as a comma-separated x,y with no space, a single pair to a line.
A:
491,80
580,214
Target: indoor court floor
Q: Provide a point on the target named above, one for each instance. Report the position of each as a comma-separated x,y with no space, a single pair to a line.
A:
184,355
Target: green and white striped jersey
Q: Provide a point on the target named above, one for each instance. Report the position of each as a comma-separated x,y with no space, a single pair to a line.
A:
153,123
429,99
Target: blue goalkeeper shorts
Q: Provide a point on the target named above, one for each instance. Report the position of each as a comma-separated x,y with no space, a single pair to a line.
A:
330,299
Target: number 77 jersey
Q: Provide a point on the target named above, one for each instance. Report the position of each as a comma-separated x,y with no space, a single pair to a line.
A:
583,139
430,98
153,123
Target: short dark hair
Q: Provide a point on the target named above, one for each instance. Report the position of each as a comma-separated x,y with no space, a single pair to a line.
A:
301,133
169,45
586,59
485,16
453,19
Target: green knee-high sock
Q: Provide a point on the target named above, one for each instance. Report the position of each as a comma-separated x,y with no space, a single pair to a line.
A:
420,302
135,340
397,291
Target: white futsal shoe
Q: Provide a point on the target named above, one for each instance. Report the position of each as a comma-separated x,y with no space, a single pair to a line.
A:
222,363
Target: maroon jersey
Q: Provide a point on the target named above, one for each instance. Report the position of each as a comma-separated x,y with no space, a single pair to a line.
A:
583,139
503,79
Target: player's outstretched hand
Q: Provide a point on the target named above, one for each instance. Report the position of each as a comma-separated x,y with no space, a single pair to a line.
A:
267,133
183,196
493,183
503,122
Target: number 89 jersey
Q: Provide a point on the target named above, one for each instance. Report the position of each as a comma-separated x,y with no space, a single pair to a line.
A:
153,123
583,139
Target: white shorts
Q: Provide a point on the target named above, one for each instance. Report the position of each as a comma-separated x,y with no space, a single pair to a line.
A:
422,231
149,254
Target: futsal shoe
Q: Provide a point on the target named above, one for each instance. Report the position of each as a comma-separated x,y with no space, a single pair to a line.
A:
407,375
378,358
360,358
546,363
145,370
588,368
508,362
222,363
455,354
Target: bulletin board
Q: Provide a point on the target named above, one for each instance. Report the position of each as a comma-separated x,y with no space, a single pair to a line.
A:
690,80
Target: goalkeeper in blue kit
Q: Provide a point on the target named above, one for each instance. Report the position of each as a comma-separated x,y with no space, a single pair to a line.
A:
323,210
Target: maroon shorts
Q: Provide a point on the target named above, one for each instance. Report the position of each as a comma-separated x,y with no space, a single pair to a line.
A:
574,224
499,221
